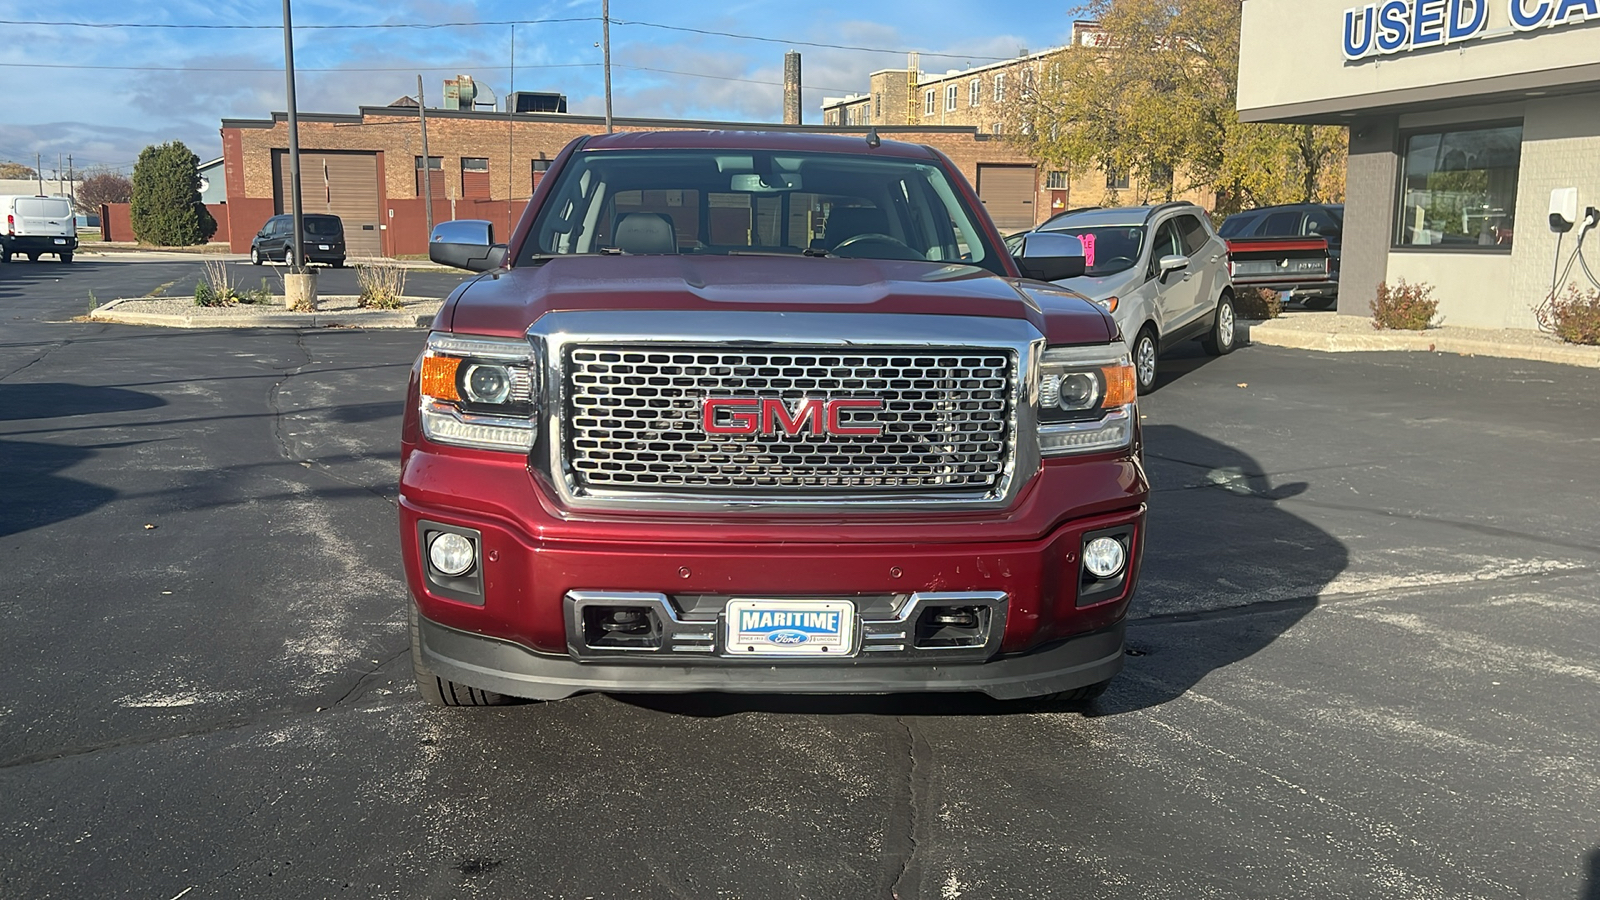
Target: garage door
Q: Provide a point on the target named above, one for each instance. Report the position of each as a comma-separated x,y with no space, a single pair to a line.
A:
344,184
1007,192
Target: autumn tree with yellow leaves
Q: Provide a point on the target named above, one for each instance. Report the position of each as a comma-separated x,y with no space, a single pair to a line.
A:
1156,100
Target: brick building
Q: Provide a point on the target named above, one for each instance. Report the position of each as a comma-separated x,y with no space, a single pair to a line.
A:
367,168
979,97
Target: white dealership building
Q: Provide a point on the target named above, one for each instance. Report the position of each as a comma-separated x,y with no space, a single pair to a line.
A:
1468,119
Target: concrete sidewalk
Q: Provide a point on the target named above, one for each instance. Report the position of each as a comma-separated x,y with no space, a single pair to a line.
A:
1333,333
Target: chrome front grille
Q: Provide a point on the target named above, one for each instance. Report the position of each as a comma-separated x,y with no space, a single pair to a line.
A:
634,420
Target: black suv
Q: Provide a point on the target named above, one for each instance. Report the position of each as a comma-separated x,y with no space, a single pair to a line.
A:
1324,220
324,240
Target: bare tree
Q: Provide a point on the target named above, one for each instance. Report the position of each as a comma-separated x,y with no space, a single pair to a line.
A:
103,187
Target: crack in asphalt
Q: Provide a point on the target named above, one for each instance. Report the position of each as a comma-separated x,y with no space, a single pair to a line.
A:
379,667
277,387
38,359
902,843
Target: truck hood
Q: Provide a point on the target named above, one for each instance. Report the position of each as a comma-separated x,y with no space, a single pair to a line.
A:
506,302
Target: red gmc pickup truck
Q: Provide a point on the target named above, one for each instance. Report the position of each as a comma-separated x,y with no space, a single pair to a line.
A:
752,412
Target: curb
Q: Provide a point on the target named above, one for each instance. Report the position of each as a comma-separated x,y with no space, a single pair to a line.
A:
352,319
1264,332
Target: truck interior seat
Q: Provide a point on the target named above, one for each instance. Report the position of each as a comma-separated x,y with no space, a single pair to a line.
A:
646,232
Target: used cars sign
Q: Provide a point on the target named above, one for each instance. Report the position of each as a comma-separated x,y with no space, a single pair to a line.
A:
1400,26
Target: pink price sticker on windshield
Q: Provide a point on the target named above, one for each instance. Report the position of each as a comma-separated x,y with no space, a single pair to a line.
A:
1088,249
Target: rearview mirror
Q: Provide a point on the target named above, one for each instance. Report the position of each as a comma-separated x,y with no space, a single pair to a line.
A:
466,244
1045,256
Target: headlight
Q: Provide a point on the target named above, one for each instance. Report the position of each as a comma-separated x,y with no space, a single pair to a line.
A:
480,392
1086,399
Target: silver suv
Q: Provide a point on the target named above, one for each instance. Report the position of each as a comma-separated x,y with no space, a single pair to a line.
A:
1162,271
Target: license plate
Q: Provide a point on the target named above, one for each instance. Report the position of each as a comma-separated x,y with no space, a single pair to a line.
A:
61,240
791,627
322,246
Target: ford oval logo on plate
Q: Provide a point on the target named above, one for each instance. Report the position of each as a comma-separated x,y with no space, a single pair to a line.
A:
788,637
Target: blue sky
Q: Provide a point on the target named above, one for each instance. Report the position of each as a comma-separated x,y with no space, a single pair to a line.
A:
104,116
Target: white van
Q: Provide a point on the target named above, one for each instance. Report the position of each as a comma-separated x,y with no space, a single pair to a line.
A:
36,226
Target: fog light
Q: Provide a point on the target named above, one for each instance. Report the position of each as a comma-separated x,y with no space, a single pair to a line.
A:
1104,557
451,553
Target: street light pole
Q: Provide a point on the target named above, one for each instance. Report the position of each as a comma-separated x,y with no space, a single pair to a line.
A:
605,35
299,260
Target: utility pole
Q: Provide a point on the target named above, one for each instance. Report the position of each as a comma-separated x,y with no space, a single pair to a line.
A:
427,162
38,167
72,187
605,35
60,169
299,260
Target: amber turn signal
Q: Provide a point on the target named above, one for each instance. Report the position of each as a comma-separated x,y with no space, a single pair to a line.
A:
1121,388
439,377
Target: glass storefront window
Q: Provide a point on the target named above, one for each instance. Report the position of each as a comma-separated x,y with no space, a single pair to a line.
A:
1459,188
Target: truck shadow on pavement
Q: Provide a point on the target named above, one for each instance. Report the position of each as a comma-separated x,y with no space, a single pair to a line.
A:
1227,571
1591,889
37,495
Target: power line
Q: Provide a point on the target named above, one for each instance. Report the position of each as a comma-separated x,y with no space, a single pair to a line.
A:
752,37
279,69
502,22
212,27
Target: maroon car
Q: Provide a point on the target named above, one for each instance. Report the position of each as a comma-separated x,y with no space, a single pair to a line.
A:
766,413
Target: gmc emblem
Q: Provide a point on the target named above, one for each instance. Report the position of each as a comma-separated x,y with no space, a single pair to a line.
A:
766,415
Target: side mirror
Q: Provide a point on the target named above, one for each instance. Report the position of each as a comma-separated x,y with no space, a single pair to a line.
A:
1172,263
1046,256
466,244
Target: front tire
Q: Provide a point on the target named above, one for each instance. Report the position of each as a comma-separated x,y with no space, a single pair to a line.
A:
442,691
1145,351
66,257
255,257
1222,337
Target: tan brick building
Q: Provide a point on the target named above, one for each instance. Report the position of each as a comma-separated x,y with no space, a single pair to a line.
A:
979,97
366,167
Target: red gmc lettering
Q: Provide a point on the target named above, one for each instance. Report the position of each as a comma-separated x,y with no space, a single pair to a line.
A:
774,415
756,415
743,415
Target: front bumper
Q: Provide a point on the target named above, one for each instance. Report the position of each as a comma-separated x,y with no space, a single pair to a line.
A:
512,669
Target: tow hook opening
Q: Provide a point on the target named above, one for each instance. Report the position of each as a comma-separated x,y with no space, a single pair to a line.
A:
621,627
952,626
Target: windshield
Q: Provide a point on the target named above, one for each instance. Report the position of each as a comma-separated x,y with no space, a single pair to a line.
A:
727,202
1234,226
1108,249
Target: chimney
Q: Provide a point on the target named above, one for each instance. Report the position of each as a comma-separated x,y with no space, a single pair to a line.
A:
791,88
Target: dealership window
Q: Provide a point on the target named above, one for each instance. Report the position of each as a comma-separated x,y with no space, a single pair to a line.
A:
975,92
1000,87
929,101
1458,188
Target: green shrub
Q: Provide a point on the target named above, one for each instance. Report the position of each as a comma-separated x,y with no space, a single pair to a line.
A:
257,295
1257,303
1404,307
1574,317
165,208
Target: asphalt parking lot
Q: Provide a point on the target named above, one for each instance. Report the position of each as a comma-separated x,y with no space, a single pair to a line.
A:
1365,660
